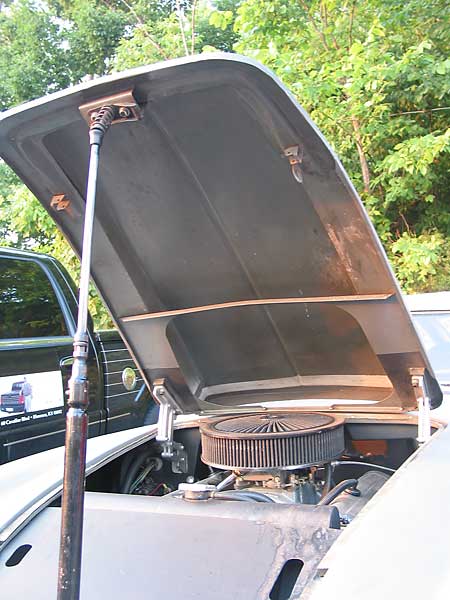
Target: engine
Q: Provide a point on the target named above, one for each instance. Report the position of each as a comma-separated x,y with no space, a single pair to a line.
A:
264,441
280,455
272,457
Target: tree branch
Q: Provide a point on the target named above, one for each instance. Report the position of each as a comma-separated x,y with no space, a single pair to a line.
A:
180,22
336,123
141,24
362,156
405,221
194,3
419,112
350,29
317,30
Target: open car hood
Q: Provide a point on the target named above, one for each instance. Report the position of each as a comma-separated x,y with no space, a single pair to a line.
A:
230,247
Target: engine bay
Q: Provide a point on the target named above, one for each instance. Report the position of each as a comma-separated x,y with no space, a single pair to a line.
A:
294,480
284,458
261,522
222,531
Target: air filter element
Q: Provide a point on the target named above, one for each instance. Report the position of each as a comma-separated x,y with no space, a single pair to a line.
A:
272,440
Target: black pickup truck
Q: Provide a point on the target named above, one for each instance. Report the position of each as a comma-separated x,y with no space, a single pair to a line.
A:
14,401
38,308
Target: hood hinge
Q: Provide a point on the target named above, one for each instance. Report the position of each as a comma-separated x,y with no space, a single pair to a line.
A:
423,405
174,451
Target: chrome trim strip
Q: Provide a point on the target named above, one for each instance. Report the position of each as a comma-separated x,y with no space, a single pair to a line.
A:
119,416
38,342
105,350
120,383
66,362
430,311
130,360
35,437
118,372
123,394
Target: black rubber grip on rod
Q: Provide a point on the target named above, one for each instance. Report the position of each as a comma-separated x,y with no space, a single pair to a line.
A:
101,122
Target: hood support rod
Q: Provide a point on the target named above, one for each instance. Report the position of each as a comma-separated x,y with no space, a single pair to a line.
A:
100,118
77,417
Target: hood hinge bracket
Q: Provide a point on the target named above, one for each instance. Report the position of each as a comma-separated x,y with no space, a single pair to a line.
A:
423,404
124,105
174,451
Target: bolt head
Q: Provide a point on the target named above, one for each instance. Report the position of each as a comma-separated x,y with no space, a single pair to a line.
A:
124,112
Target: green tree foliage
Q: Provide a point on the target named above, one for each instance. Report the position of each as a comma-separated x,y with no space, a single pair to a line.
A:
375,76
47,47
32,58
92,33
189,28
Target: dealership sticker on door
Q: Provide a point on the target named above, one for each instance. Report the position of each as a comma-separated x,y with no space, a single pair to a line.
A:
30,396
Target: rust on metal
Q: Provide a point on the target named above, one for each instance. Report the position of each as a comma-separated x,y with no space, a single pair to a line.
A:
259,302
60,202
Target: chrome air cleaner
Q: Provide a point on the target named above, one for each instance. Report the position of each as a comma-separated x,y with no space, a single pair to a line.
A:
272,440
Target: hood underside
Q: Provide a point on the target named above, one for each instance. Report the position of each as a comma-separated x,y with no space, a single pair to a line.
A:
230,247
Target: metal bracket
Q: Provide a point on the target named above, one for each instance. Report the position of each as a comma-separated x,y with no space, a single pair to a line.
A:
423,404
295,156
171,450
128,108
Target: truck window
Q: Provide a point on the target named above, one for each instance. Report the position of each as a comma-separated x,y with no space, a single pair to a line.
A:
28,304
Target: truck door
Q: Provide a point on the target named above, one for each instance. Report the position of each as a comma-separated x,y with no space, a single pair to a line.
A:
35,358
